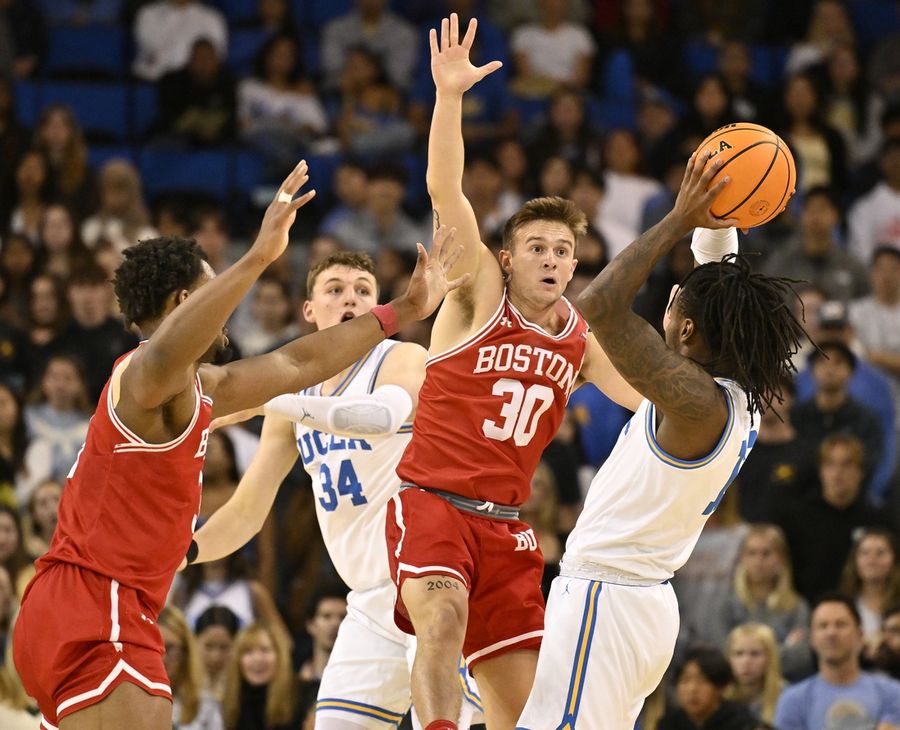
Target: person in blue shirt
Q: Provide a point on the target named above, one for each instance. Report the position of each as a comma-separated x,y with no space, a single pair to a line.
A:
841,696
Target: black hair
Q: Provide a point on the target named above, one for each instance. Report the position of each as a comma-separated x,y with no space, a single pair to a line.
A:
837,597
329,590
262,56
712,663
826,192
218,616
748,324
152,271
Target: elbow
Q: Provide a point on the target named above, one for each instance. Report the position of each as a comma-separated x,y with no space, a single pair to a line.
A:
597,309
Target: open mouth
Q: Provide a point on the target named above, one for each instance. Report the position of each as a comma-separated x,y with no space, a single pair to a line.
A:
347,316
549,280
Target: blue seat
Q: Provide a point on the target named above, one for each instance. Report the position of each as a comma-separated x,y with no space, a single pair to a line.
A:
28,103
611,114
243,46
237,11
874,19
530,110
700,58
249,171
102,109
618,77
204,172
318,12
99,154
95,51
144,109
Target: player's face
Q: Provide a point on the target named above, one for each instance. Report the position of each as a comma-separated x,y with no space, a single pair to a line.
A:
748,660
698,697
834,634
215,649
541,261
340,294
874,558
323,627
259,661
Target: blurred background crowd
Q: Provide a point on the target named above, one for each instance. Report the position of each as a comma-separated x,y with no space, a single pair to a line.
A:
124,119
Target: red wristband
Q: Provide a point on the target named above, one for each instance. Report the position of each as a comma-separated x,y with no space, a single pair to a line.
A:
387,318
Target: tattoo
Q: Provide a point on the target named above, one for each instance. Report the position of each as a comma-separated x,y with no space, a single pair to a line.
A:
434,585
437,218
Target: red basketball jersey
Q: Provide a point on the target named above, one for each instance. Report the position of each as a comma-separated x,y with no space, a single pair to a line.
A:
489,407
129,507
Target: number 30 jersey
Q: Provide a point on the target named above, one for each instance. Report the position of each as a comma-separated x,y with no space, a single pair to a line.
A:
352,481
490,405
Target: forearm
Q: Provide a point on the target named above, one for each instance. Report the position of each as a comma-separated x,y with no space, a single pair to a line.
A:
613,290
446,152
231,527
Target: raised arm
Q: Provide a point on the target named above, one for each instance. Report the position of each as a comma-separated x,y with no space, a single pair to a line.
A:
690,403
316,357
165,365
453,75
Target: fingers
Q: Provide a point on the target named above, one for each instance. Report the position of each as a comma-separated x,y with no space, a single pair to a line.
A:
714,191
688,170
450,260
433,42
295,180
469,38
303,199
454,29
709,172
445,34
488,69
457,283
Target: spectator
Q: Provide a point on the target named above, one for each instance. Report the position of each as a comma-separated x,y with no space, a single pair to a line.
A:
59,137
764,590
370,120
818,149
93,335
192,707
275,17
875,218
829,26
13,136
753,656
780,462
749,100
657,124
833,410
215,630
840,689
587,192
48,315
13,556
555,177
820,526
15,705
59,412
165,32
711,108
483,187
61,247
260,690
328,608
850,107
30,197
871,577
197,103
652,53
22,465
209,228
122,218
350,188
887,659
541,512
513,162
19,262
272,312
551,52
383,223
566,133
279,112
384,34
814,254
42,515
23,38
700,685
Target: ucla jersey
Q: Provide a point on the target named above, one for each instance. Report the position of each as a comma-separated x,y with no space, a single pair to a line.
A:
353,479
645,509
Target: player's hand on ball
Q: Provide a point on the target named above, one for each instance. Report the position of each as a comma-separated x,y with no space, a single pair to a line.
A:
695,196
428,284
450,66
272,239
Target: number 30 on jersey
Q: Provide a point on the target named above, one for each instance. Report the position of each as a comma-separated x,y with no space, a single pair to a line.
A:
520,413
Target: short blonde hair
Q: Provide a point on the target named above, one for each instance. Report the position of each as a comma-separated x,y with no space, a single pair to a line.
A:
346,259
552,208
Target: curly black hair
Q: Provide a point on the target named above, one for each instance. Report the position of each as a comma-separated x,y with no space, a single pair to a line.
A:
748,324
152,270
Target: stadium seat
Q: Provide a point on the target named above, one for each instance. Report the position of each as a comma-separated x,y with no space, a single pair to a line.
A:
101,109
874,19
318,12
611,114
243,46
618,77
144,108
237,11
530,110
204,171
100,154
87,52
28,102
249,171
700,58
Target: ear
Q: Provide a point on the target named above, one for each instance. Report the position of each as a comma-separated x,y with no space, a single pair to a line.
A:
572,272
308,312
687,330
505,262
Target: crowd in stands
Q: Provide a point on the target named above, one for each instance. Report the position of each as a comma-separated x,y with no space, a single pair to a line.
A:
125,119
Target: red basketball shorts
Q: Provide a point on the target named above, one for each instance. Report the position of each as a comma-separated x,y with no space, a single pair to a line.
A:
78,636
499,562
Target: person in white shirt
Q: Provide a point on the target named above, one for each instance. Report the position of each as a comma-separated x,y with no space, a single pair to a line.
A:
165,32
875,218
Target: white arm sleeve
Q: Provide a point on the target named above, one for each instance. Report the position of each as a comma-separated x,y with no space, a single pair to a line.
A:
376,414
712,245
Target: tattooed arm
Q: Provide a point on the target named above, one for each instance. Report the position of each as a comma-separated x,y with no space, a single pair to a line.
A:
691,409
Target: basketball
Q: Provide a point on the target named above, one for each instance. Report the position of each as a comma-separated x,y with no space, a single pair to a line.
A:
761,168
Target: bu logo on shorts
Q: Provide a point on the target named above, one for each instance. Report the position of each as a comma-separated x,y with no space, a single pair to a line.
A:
525,540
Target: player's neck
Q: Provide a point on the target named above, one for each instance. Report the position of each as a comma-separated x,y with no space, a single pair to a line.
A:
547,317
330,385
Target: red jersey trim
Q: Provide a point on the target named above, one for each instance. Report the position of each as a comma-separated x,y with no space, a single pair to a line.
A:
136,443
479,335
565,332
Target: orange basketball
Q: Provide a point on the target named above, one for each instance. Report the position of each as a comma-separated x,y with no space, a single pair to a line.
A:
761,168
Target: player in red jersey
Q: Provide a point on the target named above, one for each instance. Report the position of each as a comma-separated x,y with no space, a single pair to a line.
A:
506,352
86,642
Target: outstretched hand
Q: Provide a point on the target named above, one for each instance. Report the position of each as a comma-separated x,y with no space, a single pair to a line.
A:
272,239
428,284
696,196
451,68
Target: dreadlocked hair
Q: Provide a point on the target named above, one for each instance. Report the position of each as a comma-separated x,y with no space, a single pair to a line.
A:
153,270
746,320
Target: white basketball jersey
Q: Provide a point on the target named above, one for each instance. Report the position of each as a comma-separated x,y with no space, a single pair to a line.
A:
353,479
645,509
